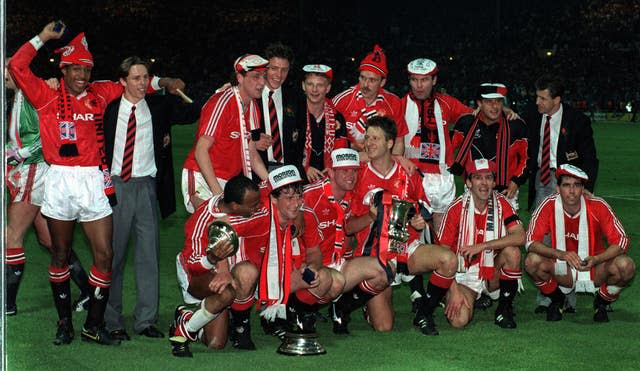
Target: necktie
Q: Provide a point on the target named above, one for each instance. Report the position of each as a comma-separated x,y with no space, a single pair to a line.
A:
545,163
275,130
127,156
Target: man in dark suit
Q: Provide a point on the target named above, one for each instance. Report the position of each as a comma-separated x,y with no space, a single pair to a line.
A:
138,147
570,140
558,134
280,142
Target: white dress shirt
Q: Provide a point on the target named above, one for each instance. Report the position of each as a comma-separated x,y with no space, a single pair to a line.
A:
556,120
277,101
143,156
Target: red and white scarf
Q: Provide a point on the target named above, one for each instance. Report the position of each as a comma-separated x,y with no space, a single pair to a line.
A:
281,256
413,143
494,229
358,129
340,207
584,280
329,135
245,130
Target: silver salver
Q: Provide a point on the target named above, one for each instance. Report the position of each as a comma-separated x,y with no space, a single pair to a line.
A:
220,231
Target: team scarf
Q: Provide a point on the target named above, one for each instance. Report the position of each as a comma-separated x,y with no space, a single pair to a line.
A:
417,141
358,129
340,207
68,138
502,148
467,232
584,279
329,135
280,256
244,130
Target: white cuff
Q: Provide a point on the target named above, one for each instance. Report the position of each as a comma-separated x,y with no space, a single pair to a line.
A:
205,262
36,42
155,81
24,152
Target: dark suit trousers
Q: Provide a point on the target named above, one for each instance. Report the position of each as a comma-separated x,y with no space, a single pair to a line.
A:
136,214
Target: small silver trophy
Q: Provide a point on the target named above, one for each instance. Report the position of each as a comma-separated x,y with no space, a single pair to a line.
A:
295,344
220,231
398,218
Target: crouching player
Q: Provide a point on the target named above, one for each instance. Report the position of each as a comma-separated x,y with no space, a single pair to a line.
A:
209,279
577,222
482,228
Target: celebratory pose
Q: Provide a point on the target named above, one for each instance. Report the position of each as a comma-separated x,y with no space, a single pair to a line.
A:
223,146
215,283
138,149
484,231
26,171
78,185
369,222
576,258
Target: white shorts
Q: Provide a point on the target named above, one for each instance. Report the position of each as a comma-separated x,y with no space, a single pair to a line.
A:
75,192
440,189
471,280
193,183
26,182
183,281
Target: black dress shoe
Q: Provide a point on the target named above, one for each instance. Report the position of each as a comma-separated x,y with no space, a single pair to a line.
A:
120,334
151,332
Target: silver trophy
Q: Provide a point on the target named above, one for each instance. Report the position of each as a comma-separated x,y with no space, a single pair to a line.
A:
220,231
398,219
301,345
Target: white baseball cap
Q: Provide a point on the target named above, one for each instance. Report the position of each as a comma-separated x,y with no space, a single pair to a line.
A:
283,176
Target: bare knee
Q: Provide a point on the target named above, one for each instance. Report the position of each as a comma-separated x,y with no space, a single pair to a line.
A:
382,324
626,267
532,262
448,264
511,256
247,275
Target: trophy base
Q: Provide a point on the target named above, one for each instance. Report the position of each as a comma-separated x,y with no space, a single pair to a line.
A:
301,345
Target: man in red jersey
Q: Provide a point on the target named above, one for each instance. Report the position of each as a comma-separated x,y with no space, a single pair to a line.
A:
368,99
223,146
77,185
577,224
484,231
204,280
382,172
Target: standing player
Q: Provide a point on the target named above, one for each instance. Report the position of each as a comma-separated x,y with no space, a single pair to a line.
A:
77,185
576,258
368,99
26,171
484,231
493,136
319,123
382,172
204,282
223,146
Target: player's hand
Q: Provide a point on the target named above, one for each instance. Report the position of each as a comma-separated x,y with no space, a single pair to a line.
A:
314,174
511,190
373,210
299,283
264,143
469,251
221,250
455,303
220,281
48,32
511,114
13,157
572,259
586,264
417,222
172,85
53,83
475,112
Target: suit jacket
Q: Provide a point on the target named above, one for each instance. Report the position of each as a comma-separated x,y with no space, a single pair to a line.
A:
292,141
575,145
165,111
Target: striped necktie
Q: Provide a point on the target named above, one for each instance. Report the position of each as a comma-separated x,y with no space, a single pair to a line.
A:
545,162
275,130
127,156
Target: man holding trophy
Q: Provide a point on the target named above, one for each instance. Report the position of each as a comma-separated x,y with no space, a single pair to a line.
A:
374,221
484,231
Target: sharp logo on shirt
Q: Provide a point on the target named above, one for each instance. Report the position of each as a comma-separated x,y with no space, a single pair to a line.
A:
234,135
573,236
83,116
354,113
323,225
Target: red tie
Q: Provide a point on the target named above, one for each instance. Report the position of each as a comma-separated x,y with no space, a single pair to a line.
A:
545,163
127,156
275,130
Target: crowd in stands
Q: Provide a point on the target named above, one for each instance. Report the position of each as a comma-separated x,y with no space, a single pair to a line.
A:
592,43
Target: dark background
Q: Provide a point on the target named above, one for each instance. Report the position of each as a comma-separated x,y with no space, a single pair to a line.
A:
594,44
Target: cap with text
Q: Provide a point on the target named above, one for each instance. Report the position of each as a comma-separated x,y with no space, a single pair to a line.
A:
422,67
284,176
250,62
76,52
345,158
320,69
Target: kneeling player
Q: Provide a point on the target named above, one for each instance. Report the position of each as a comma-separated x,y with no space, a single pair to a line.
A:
577,258
482,228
